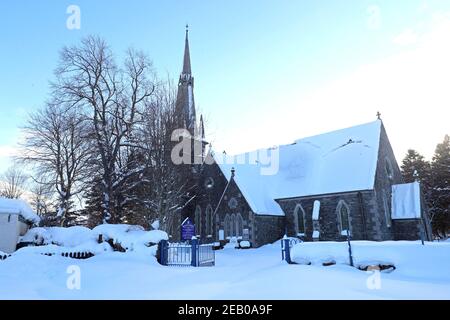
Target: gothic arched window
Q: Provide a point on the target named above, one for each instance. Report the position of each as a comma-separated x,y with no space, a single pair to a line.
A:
299,220
227,226
233,225
209,220
389,170
198,220
387,211
343,212
218,227
239,225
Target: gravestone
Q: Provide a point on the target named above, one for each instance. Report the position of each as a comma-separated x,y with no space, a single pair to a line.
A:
245,234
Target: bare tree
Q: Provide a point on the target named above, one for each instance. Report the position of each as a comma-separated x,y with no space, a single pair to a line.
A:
57,148
41,195
111,99
13,183
170,188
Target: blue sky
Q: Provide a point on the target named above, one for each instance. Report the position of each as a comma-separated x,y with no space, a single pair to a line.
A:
267,72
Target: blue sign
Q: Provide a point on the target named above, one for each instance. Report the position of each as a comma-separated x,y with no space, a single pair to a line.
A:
187,229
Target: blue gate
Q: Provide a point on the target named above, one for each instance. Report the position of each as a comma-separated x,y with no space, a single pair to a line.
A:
286,245
206,255
185,255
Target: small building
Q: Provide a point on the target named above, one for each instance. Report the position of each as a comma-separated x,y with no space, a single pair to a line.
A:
16,217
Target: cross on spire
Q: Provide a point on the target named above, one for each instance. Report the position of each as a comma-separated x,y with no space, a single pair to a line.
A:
378,115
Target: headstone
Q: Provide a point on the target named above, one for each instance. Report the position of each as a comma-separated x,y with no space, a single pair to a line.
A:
187,230
221,235
245,235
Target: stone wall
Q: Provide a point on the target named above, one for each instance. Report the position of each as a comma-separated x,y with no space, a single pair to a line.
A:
359,204
268,229
387,174
407,229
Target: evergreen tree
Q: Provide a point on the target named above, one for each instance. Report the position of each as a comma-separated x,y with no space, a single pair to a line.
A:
93,208
440,193
415,167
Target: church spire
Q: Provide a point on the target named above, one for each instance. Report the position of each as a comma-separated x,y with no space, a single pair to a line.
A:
187,56
185,98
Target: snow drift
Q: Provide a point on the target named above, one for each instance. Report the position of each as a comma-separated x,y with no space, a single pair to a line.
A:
410,258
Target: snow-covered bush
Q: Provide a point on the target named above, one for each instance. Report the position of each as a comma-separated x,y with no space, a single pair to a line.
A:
129,237
80,239
64,237
57,240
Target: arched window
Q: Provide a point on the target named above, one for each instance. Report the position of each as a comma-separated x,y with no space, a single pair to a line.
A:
389,170
227,226
239,225
198,220
218,227
209,220
233,225
343,213
387,211
299,220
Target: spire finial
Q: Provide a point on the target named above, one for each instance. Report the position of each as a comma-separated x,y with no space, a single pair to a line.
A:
378,115
187,28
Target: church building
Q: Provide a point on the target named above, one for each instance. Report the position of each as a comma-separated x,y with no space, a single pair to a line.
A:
321,188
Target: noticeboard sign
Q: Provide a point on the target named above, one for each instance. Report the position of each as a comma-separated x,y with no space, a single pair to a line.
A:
187,229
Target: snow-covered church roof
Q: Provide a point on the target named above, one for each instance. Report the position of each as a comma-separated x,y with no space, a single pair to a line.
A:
19,207
337,161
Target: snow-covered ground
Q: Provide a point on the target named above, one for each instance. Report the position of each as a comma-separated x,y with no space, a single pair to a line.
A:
238,274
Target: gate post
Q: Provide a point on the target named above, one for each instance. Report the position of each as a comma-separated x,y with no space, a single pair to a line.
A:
287,250
162,248
349,248
194,252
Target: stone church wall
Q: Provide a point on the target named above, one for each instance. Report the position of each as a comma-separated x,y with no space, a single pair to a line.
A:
359,204
268,229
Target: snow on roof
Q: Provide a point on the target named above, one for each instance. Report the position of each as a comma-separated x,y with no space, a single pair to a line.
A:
337,161
19,207
406,201
316,210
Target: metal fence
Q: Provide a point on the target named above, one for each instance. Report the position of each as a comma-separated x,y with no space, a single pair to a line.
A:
179,254
184,255
206,255
68,254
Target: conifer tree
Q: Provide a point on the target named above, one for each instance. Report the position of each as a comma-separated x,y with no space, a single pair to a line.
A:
440,193
415,167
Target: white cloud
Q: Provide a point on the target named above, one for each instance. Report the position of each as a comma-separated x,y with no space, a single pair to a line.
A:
6,154
423,7
405,38
411,89
7,151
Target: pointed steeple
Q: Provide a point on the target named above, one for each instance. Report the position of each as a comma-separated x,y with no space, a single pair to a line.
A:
187,56
185,98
